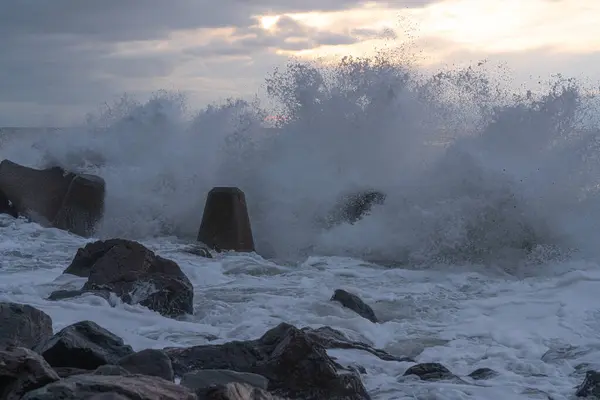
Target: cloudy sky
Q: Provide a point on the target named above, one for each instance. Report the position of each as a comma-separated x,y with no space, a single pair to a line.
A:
62,58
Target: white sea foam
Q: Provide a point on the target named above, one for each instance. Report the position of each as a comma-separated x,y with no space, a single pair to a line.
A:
488,233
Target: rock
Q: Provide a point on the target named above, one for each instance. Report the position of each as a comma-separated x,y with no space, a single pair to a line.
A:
333,339
149,362
135,274
483,373
22,325
590,387
430,372
354,303
138,387
65,372
354,206
225,222
6,207
206,378
108,396
83,345
69,294
22,370
236,391
111,370
295,365
54,197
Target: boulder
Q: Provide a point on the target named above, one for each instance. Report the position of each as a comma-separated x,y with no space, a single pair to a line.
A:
84,345
295,365
139,387
205,378
23,325
590,387
135,274
22,370
236,391
54,197
6,206
225,222
150,362
354,303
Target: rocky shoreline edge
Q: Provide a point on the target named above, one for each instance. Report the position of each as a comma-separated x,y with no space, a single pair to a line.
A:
86,361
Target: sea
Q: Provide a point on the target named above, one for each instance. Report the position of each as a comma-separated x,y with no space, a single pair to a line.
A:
484,254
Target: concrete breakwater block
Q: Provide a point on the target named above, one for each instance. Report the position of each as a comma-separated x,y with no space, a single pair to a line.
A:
54,197
225,222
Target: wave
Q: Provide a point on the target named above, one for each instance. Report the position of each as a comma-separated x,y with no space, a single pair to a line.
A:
472,171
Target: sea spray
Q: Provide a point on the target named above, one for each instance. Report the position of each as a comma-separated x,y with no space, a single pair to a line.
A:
472,171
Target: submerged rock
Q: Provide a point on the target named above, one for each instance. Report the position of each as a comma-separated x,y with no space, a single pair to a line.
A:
590,387
354,206
430,372
354,303
134,273
22,325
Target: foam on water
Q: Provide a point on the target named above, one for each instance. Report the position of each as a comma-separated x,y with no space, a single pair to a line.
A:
489,219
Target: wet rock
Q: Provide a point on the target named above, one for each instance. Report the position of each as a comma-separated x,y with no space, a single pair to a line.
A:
225,221
236,391
590,387
354,303
149,362
6,206
430,372
54,197
295,365
199,249
135,274
354,206
108,396
483,373
22,370
333,339
138,387
111,370
206,378
22,325
69,294
83,345
65,372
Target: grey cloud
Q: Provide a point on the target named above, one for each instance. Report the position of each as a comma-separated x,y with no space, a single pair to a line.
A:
60,54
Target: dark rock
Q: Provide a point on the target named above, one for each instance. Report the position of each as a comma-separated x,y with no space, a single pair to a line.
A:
65,372
69,294
138,387
83,345
430,372
149,362
333,339
83,205
199,249
483,373
22,370
354,206
354,303
108,396
135,274
54,197
295,365
225,222
206,378
22,325
6,207
236,391
590,387
111,370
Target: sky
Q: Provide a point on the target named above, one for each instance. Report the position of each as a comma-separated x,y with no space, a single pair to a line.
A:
61,59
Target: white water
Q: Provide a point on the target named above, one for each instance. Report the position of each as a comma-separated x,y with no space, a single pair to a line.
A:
468,186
